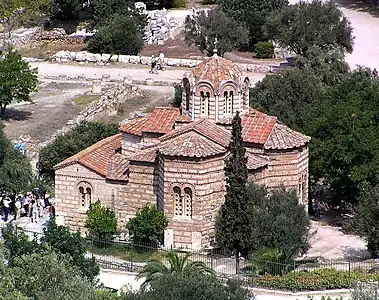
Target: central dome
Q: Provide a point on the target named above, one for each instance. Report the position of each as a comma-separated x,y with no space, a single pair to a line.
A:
217,70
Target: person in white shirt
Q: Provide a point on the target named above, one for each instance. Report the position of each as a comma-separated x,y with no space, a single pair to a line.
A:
18,208
35,213
6,204
161,60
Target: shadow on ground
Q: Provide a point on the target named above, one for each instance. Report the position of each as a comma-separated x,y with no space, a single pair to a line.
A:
360,6
14,114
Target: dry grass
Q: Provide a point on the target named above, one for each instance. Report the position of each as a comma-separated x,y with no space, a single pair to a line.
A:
46,49
85,99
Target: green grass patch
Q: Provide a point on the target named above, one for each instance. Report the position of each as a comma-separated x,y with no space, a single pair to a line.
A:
85,99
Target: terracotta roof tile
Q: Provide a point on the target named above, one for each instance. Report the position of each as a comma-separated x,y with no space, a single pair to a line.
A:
134,126
256,127
96,157
256,161
190,144
283,137
161,120
117,168
204,127
146,155
183,119
215,70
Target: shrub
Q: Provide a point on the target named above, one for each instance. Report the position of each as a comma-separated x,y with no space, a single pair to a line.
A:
178,95
66,9
101,221
121,35
264,50
147,227
321,279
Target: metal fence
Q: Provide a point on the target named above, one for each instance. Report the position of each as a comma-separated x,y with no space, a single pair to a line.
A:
130,257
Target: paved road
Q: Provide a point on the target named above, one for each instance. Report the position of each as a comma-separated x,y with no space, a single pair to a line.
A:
137,72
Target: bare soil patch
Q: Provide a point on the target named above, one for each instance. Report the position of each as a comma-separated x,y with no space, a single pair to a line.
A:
46,49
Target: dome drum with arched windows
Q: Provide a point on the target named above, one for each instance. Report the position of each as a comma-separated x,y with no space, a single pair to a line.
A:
215,89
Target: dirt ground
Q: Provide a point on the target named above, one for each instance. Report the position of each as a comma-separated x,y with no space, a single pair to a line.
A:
57,103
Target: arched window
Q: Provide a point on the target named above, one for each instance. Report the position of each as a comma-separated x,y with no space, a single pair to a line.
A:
188,202
187,91
228,99
204,103
178,205
85,195
182,202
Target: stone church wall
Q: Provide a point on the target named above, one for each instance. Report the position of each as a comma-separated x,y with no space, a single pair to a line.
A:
67,182
206,180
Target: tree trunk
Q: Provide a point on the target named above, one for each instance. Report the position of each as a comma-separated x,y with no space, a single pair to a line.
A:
237,262
2,112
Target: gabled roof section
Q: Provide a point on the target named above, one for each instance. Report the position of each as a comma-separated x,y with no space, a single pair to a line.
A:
256,127
97,156
283,137
256,161
117,167
204,127
146,155
190,144
161,120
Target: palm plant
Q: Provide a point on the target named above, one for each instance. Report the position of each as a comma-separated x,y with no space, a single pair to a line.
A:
176,263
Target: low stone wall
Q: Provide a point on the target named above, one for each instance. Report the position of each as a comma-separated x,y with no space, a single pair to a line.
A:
102,59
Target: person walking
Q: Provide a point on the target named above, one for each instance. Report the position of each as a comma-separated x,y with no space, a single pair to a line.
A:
35,211
17,208
153,64
6,204
161,61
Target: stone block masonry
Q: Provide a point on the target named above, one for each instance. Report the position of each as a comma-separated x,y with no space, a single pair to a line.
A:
84,57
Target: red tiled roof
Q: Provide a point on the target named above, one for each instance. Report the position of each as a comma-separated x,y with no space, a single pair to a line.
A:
190,144
256,127
256,161
215,70
146,155
161,120
134,126
118,165
96,157
283,137
204,127
183,119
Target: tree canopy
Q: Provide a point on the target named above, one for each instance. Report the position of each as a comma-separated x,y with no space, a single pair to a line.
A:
202,30
17,80
16,173
75,140
307,24
252,14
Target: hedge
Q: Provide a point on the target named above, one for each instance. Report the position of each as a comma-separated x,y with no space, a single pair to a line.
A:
317,280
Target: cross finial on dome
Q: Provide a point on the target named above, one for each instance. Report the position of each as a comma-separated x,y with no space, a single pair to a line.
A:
215,48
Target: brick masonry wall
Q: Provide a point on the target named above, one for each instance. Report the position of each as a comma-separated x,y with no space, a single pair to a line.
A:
205,177
67,182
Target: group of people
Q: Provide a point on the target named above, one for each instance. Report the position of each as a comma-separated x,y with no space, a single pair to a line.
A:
32,205
157,63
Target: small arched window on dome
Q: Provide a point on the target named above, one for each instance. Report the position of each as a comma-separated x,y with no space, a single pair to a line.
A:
204,104
228,99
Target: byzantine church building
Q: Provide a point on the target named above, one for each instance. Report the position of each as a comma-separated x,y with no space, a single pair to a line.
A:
174,158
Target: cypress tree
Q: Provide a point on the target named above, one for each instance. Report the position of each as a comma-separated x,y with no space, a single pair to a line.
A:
232,224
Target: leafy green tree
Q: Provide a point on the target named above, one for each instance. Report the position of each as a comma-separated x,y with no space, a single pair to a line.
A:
251,13
343,126
233,221
176,286
66,9
16,173
63,242
17,80
366,216
307,24
121,35
178,263
75,140
45,276
203,28
147,227
101,221
288,95
14,11
278,222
